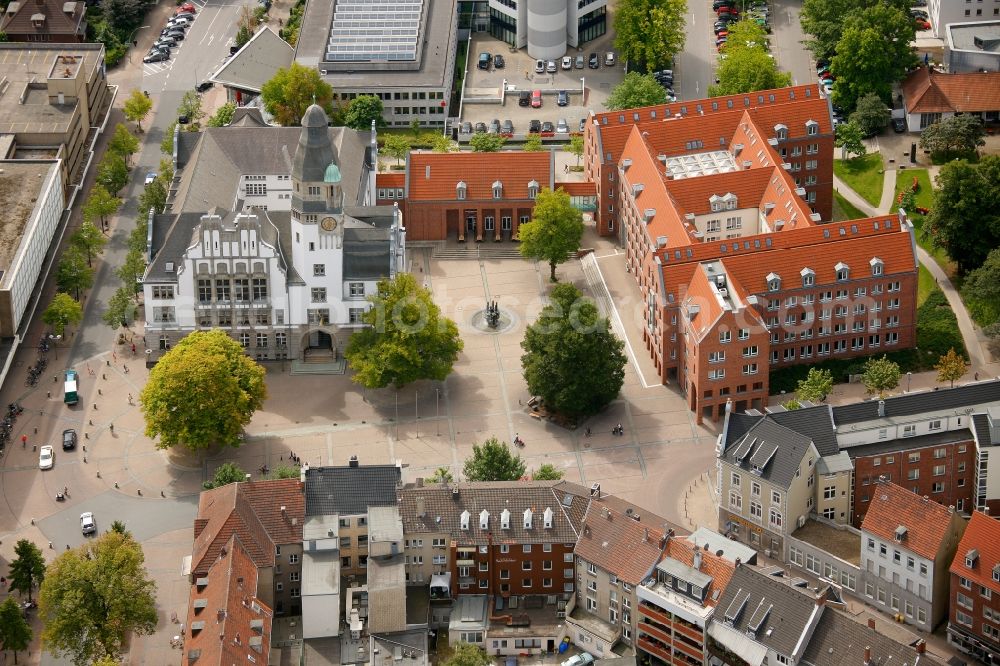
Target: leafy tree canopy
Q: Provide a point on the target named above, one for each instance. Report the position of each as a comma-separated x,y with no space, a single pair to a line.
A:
223,115
202,392
554,232
533,144
27,570
824,20
407,337
112,172
649,33
442,144
89,240
362,110
957,135
441,475
167,143
816,386
397,146
100,204
153,196
467,654
493,461
482,142
575,147
291,91
636,90
871,115
983,283
190,106
950,367
137,107
225,474
572,359
94,596
850,139
880,376
873,53
15,634
747,66
123,142
547,472
119,309
62,312
284,472
965,215
73,275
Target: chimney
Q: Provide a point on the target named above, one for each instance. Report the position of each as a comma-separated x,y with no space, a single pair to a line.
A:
868,654
821,598
283,510
871,623
645,534
353,462
921,646
420,482
454,493
696,564
881,408
595,490
420,507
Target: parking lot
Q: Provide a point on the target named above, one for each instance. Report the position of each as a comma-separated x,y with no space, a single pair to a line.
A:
519,74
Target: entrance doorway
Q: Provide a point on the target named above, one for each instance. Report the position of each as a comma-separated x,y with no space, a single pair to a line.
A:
319,346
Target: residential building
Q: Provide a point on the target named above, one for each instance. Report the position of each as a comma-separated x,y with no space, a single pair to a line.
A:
547,28
253,65
839,639
942,13
972,46
320,585
285,274
386,583
930,96
827,550
403,53
55,102
31,191
974,600
908,543
45,21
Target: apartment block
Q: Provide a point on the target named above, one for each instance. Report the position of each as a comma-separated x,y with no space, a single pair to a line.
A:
974,600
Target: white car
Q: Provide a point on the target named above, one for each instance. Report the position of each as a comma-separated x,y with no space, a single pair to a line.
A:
150,177
567,62
87,523
582,659
46,458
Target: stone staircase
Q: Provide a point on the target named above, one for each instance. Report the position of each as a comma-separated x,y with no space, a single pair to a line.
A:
485,250
334,367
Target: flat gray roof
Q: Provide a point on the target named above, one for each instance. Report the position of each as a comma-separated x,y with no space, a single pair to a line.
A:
20,186
962,36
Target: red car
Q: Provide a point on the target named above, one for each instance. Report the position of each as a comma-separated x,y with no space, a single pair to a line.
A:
922,24
186,8
732,11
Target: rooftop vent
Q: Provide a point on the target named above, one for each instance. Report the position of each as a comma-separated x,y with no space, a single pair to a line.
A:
353,462
637,188
648,214
661,241
901,533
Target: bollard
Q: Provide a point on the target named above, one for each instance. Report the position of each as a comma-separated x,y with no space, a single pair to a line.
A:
54,379
86,435
108,363
139,490
95,406
34,447
100,392
91,421
162,494
116,484
98,474
85,459
50,544
48,394
32,521
103,376
36,431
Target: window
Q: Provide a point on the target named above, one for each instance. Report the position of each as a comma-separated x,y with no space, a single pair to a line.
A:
357,289
775,497
829,492
318,295
756,510
775,518
735,500
460,191
750,352
725,336
260,289
163,292
750,369
734,480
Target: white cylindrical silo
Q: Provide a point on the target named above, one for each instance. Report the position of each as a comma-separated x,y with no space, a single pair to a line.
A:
547,29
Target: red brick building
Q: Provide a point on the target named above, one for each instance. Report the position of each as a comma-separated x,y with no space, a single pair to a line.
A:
974,603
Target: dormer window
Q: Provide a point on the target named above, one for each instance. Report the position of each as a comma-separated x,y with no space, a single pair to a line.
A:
877,266
812,127
548,518
533,189
773,282
484,519
498,190
464,519
527,519
780,132
843,272
505,519
970,558
717,203
730,201
461,190
808,277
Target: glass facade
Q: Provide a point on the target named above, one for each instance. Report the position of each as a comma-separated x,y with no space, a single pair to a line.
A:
592,25
503,27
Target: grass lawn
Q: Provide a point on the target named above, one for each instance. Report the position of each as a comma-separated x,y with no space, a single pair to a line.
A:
422,139
863,175
925,196
925,285
844,209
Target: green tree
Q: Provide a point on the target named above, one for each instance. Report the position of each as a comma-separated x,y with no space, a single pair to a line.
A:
482,142
119,308
362,110
406,337
190,106
816,386
88,240
123,142
93,597
649,33
119,527
871,115
873,53
100,204
824,20
291,91
107,661
137,107
950,367
167,143
63,311
27,570
747,66
792,405
441,475
572,360
533,144
636,90
73,275
493,461
983,283
284,472
15,634
132,269
575,147
467,654
954,136
223,115
965,214
442,144
396,145
554,232
415,127
166,171
202,392
225,474
112,173
153,196
547,472
880,376
850,140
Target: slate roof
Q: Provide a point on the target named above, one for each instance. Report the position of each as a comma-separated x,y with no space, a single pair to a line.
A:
618,544
927,523
435,176
982,535
256,62
923,402
789,617
58,24
443,510
350,490
816,423
772,451
929,91
367,253
840,641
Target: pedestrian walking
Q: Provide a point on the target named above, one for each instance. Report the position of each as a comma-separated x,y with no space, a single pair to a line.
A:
125,368
133,349
130,399
24,441
112,428
114,356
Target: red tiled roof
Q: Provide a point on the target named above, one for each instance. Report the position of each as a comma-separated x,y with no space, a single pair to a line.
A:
927,523
700,292
57,22
618,544
692,194
720,569
645,170
395,179
227,604
576,188
983,535
929,91
435,176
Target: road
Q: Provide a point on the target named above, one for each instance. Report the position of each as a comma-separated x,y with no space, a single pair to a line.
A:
787,41
695,67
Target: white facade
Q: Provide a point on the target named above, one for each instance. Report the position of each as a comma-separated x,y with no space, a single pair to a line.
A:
897,580
547,28
728,224
266,191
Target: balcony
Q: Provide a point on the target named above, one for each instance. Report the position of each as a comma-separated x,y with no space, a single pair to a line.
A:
694,633
654,613
655,648
655,632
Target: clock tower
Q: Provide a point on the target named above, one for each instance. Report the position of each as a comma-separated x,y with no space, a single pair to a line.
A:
317,196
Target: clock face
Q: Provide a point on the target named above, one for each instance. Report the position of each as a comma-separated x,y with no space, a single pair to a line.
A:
328,223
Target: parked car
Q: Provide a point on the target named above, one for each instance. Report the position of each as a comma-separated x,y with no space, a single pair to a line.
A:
922,24
498,62
664,75
536,99
524,98
181,18
550,67
548,128
465,127
158,53
579,62
150,177
181,11
583,124
181,21
174,33
567,62
609,59
582,659
563,98
721,3
203,86
46,458
494,126
562,127
594,62
539,67
87,523
534,126
480,128
507,127
484,60
919,13
898,125
69,439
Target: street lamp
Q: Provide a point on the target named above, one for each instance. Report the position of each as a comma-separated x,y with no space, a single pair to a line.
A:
132,42
55,340
909,376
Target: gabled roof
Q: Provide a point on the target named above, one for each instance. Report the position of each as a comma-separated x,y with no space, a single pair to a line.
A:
962,398
921,524
982,537
716,567
350,490
618,544
256,62
770,451
930,91
435,176
838,640
62,19
816,423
